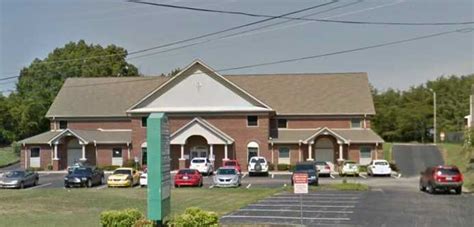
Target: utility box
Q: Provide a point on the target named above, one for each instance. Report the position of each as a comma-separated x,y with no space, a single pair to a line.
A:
158,160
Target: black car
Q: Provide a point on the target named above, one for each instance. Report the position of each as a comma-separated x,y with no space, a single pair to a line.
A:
84,176
310,169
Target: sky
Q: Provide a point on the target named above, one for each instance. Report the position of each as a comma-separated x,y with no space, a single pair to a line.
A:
32,28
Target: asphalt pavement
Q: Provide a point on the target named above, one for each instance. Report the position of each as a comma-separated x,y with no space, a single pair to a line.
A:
411,159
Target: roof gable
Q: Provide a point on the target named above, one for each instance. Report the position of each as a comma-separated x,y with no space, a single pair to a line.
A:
198,88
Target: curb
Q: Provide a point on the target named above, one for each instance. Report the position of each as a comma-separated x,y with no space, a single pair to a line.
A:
9,164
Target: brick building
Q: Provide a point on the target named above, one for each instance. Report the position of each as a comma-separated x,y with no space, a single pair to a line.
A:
285,117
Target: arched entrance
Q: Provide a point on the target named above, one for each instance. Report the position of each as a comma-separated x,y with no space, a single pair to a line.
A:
74,151
252,150
324,150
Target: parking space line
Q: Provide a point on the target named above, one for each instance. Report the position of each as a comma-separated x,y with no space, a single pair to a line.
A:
316,194
299,205
316,198
273,175
304,211
296,201
244,175
101,187
39,186
332,176
363,176
248,186
287,218
212,186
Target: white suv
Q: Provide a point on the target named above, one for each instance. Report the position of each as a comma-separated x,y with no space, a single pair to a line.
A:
258,165
203,165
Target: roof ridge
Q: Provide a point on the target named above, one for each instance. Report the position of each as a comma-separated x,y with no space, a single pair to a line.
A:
300,74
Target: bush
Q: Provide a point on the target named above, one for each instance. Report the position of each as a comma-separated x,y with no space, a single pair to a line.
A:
271,166
131,164
394,166
283,167
362,168
194,216
292,168
119,218
50,167
109,168
144,223
16,148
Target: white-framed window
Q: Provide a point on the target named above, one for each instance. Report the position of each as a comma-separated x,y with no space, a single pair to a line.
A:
283,155
144,122
365,155
356,123
252,121
62,124
117,159
282,123
35,159
252,150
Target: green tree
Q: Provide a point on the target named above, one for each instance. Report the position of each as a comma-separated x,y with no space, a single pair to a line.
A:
39,83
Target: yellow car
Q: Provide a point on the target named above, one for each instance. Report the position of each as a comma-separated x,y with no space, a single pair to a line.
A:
123,177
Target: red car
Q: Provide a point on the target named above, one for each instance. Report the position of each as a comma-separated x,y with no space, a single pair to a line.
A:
188,177
441,178
233,163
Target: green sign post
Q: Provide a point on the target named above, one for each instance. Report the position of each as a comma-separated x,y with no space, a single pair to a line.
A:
158,160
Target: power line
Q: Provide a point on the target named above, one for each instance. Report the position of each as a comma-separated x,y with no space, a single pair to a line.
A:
464,30
192,38
304,19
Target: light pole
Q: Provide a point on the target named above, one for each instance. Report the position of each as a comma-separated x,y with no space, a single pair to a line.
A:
434,115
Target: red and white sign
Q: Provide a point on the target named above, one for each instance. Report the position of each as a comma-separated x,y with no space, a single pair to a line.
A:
300,183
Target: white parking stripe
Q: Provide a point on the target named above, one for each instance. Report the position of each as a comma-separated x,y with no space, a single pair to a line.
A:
363,176
101,187
273,176
244,175
212,186
299,205
315,198
317,194
296,201
248,186
304,211
332,176
287,218
39,186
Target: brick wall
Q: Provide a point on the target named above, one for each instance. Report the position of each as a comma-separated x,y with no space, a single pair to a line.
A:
94,125
316,123
45,155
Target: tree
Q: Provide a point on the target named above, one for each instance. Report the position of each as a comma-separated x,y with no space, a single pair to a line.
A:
40,82
172,73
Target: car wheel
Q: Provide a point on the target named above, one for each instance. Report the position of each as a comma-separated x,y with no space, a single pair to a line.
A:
430,189
458,190
89,183
22,185
421,187
35,182
102,180
131,183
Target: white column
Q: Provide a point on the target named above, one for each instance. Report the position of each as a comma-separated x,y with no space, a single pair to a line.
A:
83,152
26,158
211,152
226,157
310,151
182,152
340,150
299,152
55,152
376,150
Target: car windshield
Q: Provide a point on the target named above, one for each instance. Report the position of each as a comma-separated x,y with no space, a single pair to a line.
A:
198,161
81,171
230,164
381,163
14,174
303,167
226,172
123,171
186,171
448,172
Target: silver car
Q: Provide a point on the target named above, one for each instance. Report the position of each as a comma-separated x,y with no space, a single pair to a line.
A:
18,179
227,177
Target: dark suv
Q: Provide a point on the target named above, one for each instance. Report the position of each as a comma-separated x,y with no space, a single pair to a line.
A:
84,176
441,178
310,169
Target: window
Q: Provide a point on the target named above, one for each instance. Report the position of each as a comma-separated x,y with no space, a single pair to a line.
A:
252,121
356,123
35,152
144,122
282,123
117,153
144,156
365,152
62,124
284,152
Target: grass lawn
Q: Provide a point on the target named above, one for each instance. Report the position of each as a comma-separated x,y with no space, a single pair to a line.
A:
454,154
7,156
81,207
387,151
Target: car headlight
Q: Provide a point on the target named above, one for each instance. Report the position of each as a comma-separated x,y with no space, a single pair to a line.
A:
14,181
65,178
84,178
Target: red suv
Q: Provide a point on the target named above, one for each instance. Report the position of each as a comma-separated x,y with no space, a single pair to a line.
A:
441,178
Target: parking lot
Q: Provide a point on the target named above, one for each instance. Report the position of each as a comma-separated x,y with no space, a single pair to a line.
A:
315,208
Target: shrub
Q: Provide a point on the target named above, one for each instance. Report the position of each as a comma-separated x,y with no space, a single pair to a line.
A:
394,166
120,218
16,148
271,166
292,168
283,167
362,168
194,216
50,167
144,223
131,164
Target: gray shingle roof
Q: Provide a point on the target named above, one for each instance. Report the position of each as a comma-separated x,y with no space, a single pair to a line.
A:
288,94
353,135
90,136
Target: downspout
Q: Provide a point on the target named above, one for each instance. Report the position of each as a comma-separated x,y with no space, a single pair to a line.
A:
96,154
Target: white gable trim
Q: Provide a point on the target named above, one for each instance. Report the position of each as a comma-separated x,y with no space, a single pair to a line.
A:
65,132
195,62
202,128
326,131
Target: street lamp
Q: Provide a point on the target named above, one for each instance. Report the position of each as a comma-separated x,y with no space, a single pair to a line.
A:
434,114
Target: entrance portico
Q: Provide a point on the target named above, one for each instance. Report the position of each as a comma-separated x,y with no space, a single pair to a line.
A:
199,138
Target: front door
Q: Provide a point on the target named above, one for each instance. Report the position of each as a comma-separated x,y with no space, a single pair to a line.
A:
73,156
198,152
